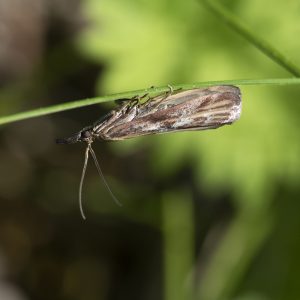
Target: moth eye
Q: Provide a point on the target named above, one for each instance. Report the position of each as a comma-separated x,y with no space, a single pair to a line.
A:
85,134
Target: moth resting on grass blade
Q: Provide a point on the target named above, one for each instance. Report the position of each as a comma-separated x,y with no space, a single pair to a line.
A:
196,109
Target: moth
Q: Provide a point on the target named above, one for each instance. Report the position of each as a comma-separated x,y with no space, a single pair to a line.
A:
195,109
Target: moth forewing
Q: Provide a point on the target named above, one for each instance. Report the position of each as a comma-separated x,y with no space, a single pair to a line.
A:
196,109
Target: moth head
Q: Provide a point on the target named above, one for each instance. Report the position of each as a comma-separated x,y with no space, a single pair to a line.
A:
85,135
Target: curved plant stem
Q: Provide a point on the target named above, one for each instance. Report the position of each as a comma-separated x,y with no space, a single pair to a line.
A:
150,91
234,22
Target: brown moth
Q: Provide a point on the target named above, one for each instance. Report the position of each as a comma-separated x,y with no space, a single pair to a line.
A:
196,109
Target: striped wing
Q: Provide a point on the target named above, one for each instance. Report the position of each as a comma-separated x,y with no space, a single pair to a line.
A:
196,109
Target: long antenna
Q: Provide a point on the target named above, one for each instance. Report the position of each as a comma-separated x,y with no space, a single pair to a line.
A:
86,158
102,176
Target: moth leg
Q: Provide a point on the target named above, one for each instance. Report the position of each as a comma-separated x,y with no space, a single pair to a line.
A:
171,90
130,101
150,98
167,94
133,100
145,95
136,102
122,101
139,98
163,97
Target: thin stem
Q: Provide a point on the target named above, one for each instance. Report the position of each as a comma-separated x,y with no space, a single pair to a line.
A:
150,91
234,22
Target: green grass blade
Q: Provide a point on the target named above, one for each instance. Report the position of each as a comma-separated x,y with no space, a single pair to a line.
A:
151,91
234,22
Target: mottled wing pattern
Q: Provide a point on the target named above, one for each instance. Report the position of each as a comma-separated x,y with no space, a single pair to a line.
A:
196,109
